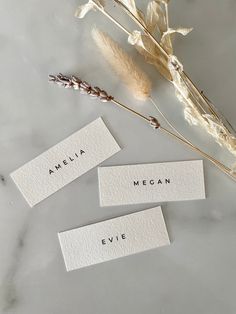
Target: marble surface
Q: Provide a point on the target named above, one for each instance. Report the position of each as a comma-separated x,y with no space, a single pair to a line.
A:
196,273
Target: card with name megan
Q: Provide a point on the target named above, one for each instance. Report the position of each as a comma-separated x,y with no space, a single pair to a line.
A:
114,238
65,162
150,183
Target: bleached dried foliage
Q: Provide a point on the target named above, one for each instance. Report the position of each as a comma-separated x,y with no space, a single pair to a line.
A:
198,110
154,40
156,23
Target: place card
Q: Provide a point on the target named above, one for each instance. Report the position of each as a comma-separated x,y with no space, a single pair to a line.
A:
114,238
65,162
150,183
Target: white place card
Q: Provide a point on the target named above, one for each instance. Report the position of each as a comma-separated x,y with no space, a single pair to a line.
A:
150,183
113,238
65,162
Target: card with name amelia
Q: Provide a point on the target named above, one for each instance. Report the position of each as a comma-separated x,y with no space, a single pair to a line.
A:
65,162
150,183
113,238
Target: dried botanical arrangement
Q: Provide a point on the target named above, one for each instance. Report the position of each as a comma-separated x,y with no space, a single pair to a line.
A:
76,83
154,41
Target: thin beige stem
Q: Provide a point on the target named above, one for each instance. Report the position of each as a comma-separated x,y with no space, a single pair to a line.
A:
167,15
212,109
183,95
183,76
183,137
103,11
130,110
218,114
167,23
199,92
166,120
218,164
143,27
214,161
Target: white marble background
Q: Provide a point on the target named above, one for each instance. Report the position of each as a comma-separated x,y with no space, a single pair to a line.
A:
196,274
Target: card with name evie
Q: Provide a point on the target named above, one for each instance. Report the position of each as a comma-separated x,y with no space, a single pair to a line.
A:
150,183
114,238
65,162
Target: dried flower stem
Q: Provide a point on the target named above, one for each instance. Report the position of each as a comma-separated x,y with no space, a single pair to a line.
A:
218,164
143,27
103,11
180,137
95,92
167,120
167,15
130,110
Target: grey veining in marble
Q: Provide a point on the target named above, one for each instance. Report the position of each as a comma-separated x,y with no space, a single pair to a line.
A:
196,273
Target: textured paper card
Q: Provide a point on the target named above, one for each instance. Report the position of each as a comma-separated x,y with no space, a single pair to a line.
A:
65,162
113,238
150,183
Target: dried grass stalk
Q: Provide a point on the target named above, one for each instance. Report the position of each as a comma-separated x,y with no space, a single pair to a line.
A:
134,78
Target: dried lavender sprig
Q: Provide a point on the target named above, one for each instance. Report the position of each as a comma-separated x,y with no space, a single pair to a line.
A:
85,88
77,84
